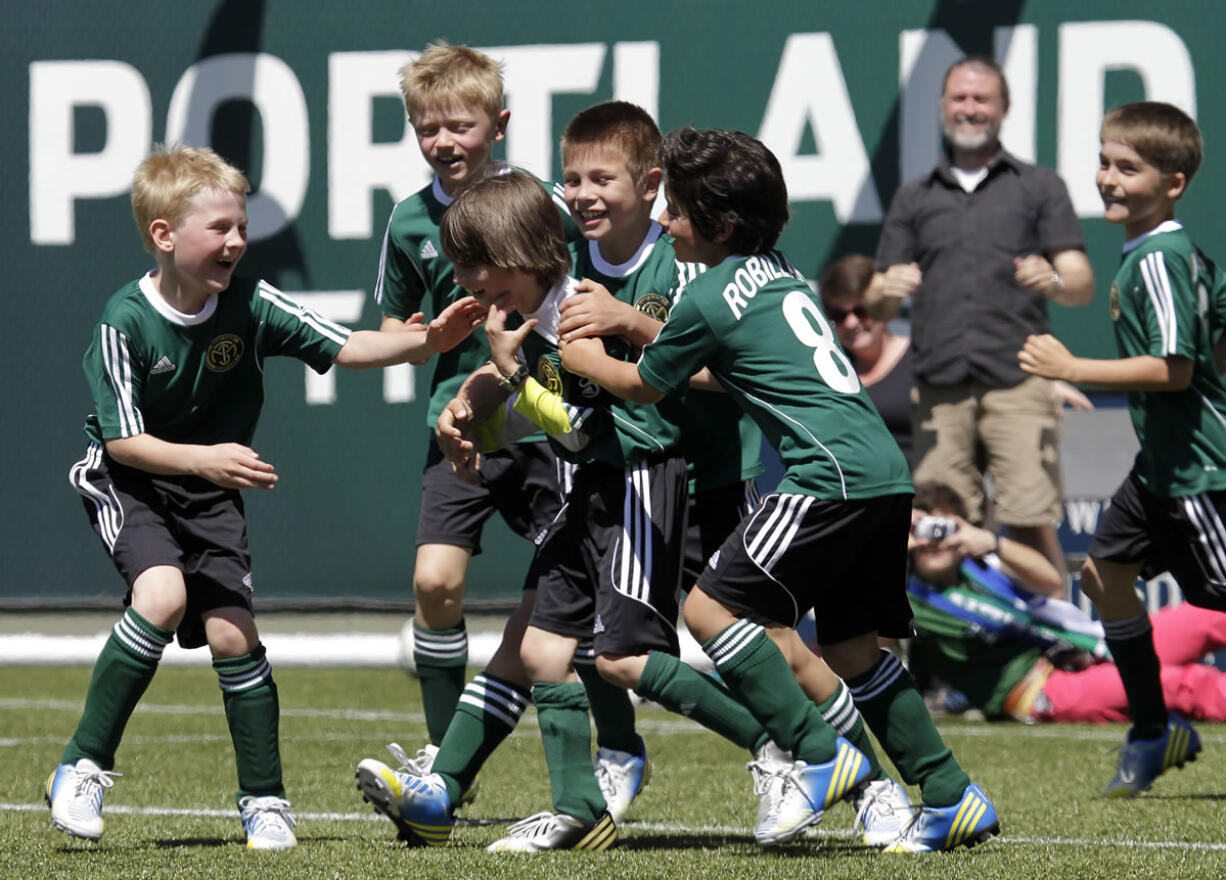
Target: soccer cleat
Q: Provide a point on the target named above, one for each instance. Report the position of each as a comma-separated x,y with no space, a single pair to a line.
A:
807,790
1144,760
769,767
74,793
970,821
883,811
423,765
417,805
557,831
268,823
621,776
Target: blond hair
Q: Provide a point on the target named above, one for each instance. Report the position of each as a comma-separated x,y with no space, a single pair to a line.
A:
445,75
1162,134
507,221
621,126
168,180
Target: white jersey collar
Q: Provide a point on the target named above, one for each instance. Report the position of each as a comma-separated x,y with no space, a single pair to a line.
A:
548,315
1164,226
604,267
169,312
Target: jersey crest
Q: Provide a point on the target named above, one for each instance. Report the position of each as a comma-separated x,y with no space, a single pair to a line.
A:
654,306
224,353
547,374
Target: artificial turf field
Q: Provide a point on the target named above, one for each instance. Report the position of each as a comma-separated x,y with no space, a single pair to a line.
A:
172,814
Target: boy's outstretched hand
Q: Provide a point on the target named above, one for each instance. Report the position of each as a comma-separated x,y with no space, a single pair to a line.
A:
453,324
1046,356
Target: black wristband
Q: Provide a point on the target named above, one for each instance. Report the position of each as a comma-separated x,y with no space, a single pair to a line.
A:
512,382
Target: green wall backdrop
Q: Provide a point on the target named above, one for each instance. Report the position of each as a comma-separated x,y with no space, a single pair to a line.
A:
302,95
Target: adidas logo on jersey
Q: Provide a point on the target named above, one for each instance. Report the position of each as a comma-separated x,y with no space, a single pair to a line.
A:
162,366
598,626
714,560
428,250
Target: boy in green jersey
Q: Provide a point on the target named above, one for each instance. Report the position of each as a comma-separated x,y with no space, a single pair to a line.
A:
504,240
453,96
610,566
1167,515
841,513
608,150
176,369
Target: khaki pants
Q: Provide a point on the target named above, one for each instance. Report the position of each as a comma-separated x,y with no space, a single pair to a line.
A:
1013,432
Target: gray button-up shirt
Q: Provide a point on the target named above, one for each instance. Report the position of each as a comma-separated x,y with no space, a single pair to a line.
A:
969,317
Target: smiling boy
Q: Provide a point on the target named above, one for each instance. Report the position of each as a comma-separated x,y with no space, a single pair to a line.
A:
454,100
1167,514
175,365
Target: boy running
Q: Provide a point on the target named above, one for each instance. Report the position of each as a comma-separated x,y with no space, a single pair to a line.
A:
1167,514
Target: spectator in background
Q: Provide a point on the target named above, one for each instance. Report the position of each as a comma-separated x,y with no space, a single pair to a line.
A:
882,359
986,624
980,244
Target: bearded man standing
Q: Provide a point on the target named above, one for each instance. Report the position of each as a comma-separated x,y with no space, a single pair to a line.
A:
980,244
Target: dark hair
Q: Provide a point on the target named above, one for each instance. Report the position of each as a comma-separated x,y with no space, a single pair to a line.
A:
938,496
507,221
845,279
726,180
1162,134
617,125
981,63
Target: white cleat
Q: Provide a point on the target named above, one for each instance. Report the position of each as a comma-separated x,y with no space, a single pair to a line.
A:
621,776
267,822
883,812
74,793
546,831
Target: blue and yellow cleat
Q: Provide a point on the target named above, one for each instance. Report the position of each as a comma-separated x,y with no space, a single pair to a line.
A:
806,790
418,805
970,821
1144,760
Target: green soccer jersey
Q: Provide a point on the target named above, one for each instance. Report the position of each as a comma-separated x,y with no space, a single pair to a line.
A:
414,272
414,276
621,433
196,378
721,445
1162,305
757,325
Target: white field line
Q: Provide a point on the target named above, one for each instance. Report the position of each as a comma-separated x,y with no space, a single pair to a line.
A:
284,649
117,809
661,726
17,704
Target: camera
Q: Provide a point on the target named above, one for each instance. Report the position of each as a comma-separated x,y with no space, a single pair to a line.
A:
934,528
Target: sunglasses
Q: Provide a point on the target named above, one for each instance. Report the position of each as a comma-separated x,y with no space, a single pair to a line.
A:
838,316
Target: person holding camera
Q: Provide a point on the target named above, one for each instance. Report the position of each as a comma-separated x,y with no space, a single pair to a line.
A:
988,624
